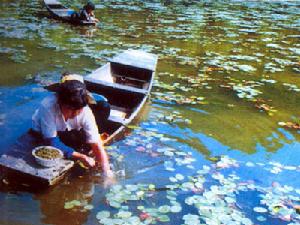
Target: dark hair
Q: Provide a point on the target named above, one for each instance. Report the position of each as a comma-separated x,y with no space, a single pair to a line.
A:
73,94
66,73
90,6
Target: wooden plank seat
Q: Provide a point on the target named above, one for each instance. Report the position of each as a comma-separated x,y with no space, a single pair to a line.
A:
116,86
118,115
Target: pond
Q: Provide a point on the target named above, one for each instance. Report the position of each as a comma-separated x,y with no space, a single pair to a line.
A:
213,145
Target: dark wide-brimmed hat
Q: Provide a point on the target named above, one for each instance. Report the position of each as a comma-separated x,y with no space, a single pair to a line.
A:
72,91
90,5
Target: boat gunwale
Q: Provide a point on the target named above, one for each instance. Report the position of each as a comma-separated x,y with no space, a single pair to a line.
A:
137,109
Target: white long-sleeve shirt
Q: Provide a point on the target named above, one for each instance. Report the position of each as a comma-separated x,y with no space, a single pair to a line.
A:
48,120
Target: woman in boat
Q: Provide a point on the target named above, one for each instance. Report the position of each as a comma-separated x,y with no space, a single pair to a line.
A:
87,12
64,120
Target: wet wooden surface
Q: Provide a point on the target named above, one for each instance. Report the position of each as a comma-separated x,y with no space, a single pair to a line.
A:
18,160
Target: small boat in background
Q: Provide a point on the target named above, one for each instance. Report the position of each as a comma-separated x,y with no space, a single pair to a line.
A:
59,11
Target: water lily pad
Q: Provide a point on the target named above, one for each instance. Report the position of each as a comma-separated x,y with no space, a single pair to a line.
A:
131,187
68,205
88,207
141,207
179,176
123,214
114,204
164,209
260,209
151,187
163,218
190,219
103,214
246,221
230,200
107,221
261,218
72,204
175,208
173,179
250,164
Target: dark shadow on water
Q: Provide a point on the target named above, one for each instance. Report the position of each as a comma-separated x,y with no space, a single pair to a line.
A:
51,201
79,185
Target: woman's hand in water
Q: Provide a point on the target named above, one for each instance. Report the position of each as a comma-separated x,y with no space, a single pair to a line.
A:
90,162
109,174
109,178
86,160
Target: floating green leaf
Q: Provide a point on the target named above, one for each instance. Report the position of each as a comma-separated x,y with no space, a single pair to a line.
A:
164,209
103,214
260,209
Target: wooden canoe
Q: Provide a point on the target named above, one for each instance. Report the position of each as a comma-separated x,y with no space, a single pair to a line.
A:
58,11
126,82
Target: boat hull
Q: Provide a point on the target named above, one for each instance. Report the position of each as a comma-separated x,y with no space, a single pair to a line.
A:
126,82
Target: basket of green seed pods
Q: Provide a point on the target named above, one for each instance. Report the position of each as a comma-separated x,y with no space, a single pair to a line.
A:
47,156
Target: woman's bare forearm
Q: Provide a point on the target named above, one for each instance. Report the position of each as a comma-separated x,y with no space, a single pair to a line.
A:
101,156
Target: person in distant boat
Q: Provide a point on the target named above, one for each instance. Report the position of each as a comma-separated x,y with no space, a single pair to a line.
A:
87,12
64,120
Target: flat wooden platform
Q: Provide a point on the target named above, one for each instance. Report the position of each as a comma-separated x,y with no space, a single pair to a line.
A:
18,160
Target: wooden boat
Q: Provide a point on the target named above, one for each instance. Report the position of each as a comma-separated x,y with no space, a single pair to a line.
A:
59,11
125,81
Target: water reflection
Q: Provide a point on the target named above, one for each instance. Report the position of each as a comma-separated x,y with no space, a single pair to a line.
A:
88,32
49,205
52,202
